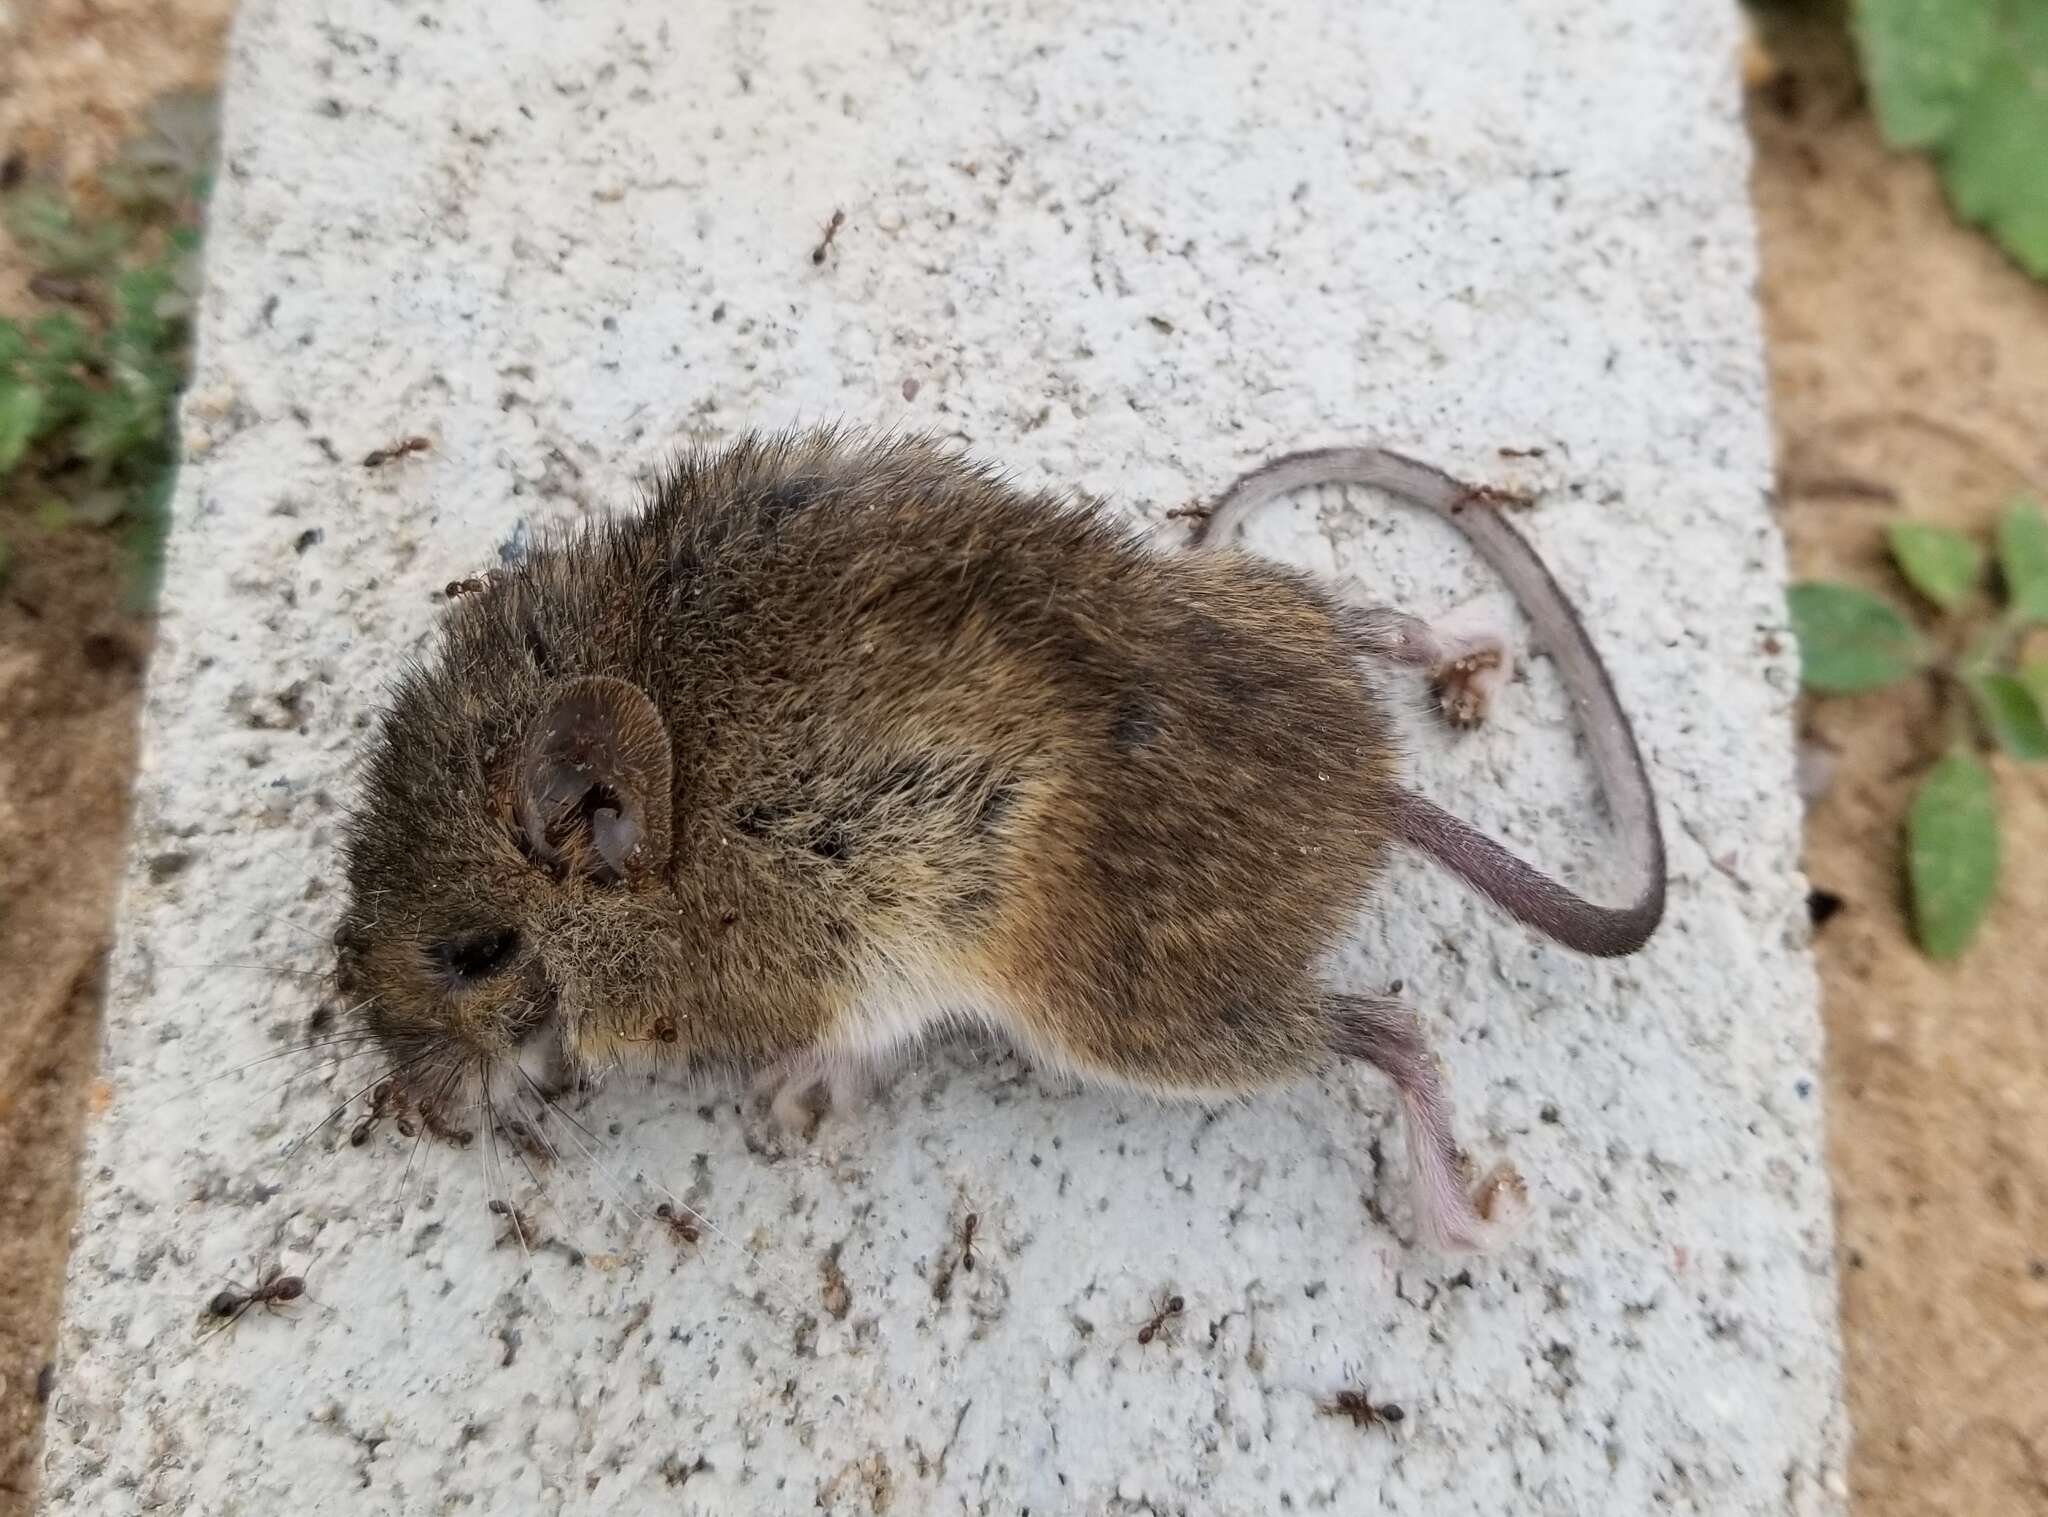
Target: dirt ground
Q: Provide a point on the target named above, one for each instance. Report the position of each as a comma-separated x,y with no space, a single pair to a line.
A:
1909,374
75,75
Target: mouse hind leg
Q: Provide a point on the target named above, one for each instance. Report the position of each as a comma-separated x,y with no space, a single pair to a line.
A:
1465,654
1246,1045
1450,1213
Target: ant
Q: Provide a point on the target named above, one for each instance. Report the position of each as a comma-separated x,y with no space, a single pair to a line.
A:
277,1288
443,1129
529,1140
476,584
380,1102
968,1229
1168,1309
1359,1407
518,1231
378,457
831,230
678,1222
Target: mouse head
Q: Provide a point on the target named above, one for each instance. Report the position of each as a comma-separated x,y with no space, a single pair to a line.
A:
508,874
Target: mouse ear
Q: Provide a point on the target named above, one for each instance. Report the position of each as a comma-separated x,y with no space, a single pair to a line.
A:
594,781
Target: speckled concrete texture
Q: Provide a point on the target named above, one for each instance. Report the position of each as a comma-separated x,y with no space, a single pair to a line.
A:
1116,251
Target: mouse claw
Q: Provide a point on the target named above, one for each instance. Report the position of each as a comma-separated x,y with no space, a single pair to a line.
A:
1465,687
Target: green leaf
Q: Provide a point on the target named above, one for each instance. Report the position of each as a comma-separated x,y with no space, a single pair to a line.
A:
2012,714
118,422
59,339
1940,564
21,411
53,238
1922,60
1968,79
1952,853
1993,162
2034,675
2023,545
1850,640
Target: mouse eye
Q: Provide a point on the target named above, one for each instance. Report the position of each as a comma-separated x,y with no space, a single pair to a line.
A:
476,956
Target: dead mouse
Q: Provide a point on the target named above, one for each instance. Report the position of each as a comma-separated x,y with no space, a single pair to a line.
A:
843,740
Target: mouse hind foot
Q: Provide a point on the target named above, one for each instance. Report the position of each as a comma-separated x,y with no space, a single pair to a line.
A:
1451,1214
1466,653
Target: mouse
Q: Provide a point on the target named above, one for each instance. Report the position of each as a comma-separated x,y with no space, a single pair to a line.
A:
843,739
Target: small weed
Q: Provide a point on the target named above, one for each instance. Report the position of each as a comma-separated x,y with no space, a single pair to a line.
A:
1851,642
88,386
1967,80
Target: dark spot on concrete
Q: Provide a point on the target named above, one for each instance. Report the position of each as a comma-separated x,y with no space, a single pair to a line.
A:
168,866
677,1473
307,539
46,1382
1549,1113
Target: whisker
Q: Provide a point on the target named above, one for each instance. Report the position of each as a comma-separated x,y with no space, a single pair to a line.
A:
322,940
589,1150
304,974
325,1121
355,1043
519,1152
420,1137
487,1114
574,1126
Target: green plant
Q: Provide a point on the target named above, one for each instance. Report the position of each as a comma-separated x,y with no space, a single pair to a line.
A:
88,387
1967,80
1852,642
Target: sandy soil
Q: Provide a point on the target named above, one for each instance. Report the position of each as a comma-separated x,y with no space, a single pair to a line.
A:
1908,360
75,76
1909,371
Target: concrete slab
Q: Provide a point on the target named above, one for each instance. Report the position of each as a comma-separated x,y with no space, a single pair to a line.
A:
1127,254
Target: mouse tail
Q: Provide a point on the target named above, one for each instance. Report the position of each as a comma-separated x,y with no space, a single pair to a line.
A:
1519,889
1524,892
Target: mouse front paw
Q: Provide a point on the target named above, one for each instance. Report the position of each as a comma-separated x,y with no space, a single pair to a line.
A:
801,1090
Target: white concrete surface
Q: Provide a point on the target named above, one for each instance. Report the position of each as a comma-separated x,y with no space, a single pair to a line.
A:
1125,253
